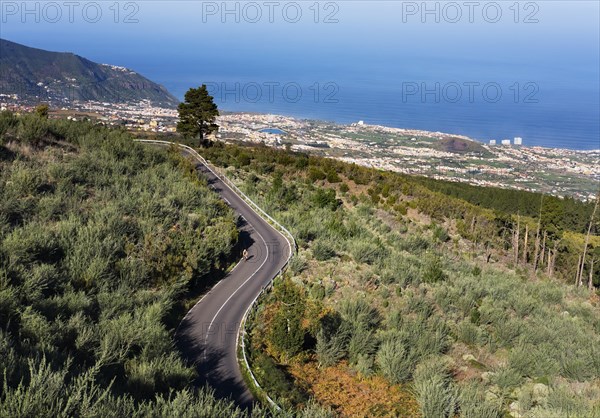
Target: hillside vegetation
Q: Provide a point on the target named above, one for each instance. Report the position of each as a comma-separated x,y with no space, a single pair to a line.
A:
100,241
412,298
408,297
35,74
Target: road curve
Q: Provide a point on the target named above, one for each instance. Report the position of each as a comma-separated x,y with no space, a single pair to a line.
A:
207,335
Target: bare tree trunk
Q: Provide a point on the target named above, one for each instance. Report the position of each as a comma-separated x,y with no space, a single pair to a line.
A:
513,240
525,244
587,237
543,251
474,242
536,253
516,241
488,252
591,279
553,262
577,275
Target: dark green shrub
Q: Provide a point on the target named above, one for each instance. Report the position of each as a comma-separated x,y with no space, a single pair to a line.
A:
332,340
433,272
32,129
332,177
244,159
414,243
368,252
322,250
394,360
325,198
8,122
314,174
286,332
440,234
435,389
276,381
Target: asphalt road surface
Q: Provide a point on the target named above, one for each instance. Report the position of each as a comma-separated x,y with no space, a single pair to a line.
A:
207,336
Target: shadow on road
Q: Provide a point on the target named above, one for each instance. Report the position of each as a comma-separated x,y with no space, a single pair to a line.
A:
208,364
208,361
206,337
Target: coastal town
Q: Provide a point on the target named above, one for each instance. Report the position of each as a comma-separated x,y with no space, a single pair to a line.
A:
559,172
137,116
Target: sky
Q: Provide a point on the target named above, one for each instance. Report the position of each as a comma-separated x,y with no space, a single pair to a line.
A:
553,32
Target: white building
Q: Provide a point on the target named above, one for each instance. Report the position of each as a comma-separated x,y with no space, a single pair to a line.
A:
492,142
518,140
506,142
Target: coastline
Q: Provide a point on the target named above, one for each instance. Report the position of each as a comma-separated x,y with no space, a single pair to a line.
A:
406,130
439,155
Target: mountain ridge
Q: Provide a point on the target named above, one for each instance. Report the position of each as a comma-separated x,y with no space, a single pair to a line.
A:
60,78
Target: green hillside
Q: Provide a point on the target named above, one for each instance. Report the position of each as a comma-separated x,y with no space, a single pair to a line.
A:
408,297
102,242
59,77
406,300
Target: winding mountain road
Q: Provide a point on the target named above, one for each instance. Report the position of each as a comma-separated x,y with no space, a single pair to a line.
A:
208,334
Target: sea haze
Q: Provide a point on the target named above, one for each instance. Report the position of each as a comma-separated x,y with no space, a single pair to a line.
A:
541,79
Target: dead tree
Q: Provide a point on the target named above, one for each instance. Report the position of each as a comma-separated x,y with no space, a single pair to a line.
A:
525,244
552,260
516,239
542,251
587,240
536,253
591,279
578,275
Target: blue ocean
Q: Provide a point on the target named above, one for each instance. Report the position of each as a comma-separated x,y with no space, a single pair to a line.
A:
492,70
541,112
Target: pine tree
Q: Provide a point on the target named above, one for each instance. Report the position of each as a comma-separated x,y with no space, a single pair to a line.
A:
197,115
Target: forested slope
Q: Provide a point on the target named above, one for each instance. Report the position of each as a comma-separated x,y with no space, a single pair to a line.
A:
563,214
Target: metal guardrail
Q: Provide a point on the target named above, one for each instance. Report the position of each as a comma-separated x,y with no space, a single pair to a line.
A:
259,211
241,341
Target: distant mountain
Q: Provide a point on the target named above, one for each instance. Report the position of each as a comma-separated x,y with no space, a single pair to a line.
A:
37,75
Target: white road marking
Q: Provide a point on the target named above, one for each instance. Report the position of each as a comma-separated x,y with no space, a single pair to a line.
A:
207,293
236,290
